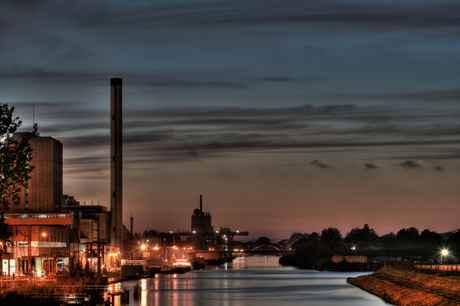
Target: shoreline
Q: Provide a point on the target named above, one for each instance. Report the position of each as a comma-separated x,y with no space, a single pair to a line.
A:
409,287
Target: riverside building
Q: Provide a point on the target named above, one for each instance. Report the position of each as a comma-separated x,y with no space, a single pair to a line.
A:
49,228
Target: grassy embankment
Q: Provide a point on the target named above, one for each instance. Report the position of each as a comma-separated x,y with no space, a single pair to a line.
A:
26,292
410,288
35,293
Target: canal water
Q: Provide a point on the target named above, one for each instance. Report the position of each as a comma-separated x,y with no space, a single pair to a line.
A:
256,280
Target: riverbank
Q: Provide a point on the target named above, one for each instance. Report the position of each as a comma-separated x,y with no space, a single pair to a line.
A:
410,288
326,264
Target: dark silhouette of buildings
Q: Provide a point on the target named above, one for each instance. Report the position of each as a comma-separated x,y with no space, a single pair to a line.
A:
203,235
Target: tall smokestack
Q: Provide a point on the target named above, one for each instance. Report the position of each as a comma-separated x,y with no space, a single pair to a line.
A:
116,164
201,203
131,220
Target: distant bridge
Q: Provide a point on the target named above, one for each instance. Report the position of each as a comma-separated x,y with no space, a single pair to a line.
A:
268,249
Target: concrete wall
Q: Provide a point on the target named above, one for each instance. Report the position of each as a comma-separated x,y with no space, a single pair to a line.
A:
352,259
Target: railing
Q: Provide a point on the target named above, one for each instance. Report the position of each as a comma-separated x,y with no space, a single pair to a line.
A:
439,269
449,269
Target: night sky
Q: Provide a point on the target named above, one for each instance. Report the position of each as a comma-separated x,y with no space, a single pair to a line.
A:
287,116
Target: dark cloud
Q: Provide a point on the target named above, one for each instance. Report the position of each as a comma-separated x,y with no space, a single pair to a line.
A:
219,130
100,79
446,153
181,81
276,79
439,95
79,166
439,168
85,141
409,164
352,15
370,166
320,164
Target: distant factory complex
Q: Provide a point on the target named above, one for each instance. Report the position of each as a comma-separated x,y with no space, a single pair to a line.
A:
49,229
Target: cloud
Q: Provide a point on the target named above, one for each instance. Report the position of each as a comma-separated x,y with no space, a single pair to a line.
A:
439,168
370,166
183,132
306,15
409,164
320,164
439,95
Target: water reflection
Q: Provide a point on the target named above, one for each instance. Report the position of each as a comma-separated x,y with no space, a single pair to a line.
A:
257,280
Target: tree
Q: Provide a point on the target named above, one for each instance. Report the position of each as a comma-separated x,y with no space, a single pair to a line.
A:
263,240
389,241
331,240
310,242
15,156
331,236
430,240
408,237
362,238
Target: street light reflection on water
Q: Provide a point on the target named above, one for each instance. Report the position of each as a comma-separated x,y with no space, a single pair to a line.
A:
256,280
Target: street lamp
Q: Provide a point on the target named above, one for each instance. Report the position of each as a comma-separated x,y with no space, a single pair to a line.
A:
1,263
444,252
49,254
144,247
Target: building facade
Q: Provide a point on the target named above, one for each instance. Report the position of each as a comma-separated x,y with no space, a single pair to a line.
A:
43,192
49,228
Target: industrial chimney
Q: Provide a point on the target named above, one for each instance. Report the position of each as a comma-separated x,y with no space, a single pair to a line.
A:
116,165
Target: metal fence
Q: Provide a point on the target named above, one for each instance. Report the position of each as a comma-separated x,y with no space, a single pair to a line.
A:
450,269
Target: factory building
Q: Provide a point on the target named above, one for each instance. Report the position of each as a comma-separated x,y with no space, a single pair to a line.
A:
49,228
43,192
203,235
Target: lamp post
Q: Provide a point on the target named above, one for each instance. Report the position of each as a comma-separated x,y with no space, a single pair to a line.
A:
1,265
49,253
444,252
143,247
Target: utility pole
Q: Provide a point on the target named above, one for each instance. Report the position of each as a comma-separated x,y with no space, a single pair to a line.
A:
29,251
1,265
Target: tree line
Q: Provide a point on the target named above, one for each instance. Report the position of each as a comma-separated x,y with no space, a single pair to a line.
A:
315,250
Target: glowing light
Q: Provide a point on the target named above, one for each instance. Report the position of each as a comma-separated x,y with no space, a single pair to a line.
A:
143,246
444,252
